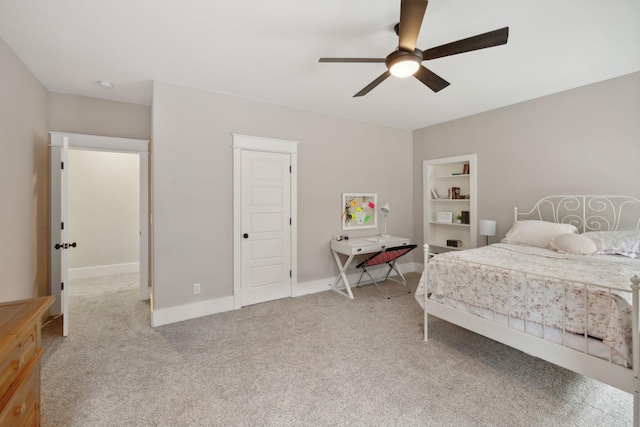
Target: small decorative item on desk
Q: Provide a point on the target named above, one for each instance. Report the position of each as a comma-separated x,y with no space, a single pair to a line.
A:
386,210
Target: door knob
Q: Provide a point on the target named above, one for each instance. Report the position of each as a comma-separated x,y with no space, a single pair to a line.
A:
245,235
65,245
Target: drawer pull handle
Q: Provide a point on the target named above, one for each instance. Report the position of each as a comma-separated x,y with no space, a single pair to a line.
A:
19,363
20,409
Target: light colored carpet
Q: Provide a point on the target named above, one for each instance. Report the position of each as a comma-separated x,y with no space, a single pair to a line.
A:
316,360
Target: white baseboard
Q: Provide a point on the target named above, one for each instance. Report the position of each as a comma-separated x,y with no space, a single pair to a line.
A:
165,316
322,285
312,287
103,270
415,267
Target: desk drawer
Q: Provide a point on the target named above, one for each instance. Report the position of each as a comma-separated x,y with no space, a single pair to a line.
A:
365,245
15,356
377,247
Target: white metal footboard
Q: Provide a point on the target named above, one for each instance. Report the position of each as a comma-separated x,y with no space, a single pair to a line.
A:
560,354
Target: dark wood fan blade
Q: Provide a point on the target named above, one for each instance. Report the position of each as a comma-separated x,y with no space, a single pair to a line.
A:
481,41
431,79
373,84
411,17
352,60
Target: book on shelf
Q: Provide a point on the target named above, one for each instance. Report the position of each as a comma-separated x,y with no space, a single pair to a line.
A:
455,192
465,169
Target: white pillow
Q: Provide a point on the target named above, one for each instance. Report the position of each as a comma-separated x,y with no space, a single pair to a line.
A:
625,243
536,233
576,244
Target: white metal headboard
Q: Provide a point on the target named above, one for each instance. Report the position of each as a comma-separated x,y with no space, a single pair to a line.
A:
587,213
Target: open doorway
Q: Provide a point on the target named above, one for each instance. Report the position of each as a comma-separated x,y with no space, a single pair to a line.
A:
99,213
104,219
104,213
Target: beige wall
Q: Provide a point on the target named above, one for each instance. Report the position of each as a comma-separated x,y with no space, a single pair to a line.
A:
104,201
193,188
93,116
24,257
582,141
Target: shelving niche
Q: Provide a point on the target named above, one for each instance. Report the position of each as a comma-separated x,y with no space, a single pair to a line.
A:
442,175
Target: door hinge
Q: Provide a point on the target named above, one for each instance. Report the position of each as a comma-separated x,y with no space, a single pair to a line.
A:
62,225
290,273
290,223
62,286
61,165
289,169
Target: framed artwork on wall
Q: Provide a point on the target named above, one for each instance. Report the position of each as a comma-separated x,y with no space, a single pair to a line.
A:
359,211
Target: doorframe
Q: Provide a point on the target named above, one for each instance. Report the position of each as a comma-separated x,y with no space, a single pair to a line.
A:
117,145
268,145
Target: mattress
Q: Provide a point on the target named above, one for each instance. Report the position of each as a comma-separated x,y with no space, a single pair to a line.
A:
526,288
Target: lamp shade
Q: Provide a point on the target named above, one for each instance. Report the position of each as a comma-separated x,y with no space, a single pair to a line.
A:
385,208
487,227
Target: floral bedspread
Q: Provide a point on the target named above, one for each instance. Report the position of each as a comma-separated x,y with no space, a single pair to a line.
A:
531,283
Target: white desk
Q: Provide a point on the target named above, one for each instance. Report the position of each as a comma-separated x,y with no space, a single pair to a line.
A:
359,246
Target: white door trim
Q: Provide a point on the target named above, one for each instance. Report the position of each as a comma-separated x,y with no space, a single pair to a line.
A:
256,143
144,263
102,143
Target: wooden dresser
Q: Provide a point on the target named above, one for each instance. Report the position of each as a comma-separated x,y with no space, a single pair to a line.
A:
20,351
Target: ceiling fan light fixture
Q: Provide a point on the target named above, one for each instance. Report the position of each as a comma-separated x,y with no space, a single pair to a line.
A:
404,64
405,68
406,60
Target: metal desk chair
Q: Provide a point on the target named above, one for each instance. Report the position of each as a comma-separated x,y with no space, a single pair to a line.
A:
388,256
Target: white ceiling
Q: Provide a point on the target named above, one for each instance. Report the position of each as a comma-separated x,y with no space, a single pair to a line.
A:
269,50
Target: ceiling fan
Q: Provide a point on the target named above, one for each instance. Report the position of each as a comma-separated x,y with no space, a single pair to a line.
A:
407,60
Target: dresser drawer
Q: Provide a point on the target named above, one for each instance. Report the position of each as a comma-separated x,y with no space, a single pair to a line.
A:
22,409
15,357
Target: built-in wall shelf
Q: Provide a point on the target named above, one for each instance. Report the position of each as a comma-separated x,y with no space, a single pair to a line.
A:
451,224
444,180
436,248
451,176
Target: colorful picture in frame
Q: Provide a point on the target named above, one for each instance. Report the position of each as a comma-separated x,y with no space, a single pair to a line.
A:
359,211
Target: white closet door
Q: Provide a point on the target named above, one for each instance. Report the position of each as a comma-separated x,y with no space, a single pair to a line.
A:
266,226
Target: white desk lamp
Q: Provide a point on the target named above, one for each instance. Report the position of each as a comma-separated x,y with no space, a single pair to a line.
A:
385,210
487,227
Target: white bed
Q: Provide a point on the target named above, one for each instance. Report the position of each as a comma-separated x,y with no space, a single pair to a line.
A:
537,299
